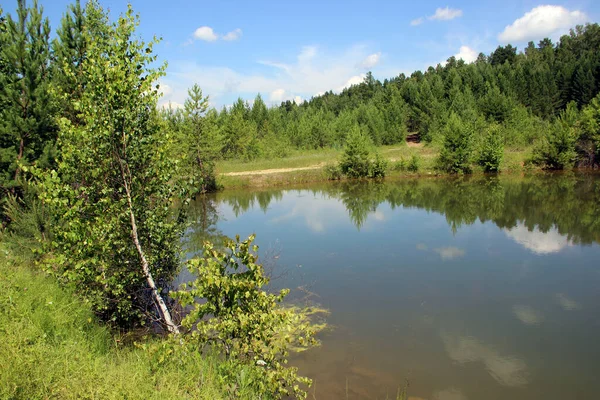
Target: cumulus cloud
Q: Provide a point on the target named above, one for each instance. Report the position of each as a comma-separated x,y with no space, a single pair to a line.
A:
205,33
233,35
354,80
467,54
311,71
208,34
277,95
441,14
370,61
540,22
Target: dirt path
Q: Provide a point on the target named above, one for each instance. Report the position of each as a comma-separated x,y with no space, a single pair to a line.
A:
274,170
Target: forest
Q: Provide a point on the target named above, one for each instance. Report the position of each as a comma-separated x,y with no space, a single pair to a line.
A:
96,177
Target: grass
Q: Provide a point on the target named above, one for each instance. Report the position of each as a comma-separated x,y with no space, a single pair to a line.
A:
513,161
53,347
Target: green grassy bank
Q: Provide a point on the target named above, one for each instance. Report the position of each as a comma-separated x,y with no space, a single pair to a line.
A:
304,166
52,347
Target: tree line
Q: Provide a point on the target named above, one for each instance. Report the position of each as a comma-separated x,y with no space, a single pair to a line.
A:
545,97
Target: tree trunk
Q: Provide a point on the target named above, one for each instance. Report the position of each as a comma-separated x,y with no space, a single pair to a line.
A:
162,306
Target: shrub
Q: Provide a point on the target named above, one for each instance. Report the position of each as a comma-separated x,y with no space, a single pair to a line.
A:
378,167
241,319
355,161
332,172
557,148
492,150
414,163
399,165
455,156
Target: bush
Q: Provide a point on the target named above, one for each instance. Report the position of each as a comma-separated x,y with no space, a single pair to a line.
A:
399,165
378,167
557,148
414,163
456,153
355,161
332,172
238,317
492,150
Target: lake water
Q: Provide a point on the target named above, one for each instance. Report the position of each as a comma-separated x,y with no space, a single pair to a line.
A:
481,288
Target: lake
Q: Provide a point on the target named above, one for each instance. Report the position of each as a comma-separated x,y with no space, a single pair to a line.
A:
464,288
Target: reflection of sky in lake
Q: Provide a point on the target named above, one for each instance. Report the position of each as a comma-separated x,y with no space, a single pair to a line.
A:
479,312
537,241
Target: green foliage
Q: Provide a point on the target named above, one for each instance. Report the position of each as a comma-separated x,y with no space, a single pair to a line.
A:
378,167
333,172
114,166
492,150
414,163
590,138
26,113
52,346
237,316
200,141
456,153
557,149
355,162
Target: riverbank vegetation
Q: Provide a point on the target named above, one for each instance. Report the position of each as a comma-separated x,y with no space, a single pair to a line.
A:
96,179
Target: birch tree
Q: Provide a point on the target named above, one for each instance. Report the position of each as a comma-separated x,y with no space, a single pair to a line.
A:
112,191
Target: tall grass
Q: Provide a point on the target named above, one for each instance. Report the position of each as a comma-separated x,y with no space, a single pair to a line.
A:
51,346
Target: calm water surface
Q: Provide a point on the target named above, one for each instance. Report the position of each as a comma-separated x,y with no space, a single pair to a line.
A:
485,288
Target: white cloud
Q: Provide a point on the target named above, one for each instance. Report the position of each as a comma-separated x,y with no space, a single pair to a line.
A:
467,54
417,21
370,61
354,80
313,70
448,253
441,14
233,35
277,95
540,22
298,100
538,241
446,14
205,33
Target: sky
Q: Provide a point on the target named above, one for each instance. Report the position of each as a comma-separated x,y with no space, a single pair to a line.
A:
294,50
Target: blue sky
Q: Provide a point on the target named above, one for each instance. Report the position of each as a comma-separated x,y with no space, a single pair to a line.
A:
295,50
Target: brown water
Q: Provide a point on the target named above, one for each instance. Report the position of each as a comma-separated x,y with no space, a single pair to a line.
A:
473,289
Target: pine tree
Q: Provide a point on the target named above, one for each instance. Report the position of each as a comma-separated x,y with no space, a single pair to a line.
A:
26,118
199,141
69,51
